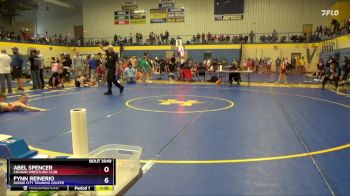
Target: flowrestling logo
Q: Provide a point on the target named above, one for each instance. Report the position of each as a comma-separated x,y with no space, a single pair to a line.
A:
330,12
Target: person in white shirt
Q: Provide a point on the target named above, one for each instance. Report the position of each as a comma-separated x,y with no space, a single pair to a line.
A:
5,71
130,74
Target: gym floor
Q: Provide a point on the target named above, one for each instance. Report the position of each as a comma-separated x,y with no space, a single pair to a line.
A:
207,139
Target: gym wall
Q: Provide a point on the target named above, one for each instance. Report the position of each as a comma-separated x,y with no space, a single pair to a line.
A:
259,15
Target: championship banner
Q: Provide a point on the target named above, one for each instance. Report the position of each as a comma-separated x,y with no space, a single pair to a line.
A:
129,5
176,15
121,17
158,15
138,17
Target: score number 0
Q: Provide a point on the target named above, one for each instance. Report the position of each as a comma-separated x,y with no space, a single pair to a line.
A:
106,170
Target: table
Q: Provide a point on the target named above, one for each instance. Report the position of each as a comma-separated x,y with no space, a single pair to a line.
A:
224,72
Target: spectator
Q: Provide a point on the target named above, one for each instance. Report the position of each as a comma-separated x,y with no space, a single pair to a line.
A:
17,68
268,65
166,37
320,69
35,69
278,63
5,72
41,68
78,64
332,74
203,38
56,74
209,37
251,36
283,72
92,66
274,36
130,74
234,76
100,73
345,68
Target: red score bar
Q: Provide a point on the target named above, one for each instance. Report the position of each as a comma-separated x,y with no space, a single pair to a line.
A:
62,167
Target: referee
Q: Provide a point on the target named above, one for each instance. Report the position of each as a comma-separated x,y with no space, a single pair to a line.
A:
111,65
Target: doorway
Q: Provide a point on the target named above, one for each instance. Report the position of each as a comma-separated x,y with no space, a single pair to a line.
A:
78,32
307,29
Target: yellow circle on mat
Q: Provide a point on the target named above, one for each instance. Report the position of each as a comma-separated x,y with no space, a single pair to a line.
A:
229,105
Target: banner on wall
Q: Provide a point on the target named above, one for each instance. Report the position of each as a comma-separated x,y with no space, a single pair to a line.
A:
129,7
166,3
176,15
138,17
121,17
158,15
129,2
228,17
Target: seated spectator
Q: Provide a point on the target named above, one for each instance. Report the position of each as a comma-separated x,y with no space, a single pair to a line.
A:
56,74
130,74
234,76
19,105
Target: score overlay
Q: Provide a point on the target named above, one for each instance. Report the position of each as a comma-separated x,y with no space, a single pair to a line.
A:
61,174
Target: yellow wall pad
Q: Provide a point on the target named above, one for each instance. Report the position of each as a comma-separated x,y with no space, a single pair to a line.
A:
206,47
167,47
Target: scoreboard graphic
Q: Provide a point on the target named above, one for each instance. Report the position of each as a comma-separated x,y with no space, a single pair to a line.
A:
61,174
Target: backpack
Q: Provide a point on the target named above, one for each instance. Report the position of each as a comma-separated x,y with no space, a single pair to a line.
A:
214,79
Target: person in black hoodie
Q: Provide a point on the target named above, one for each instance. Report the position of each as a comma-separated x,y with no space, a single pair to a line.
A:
35,69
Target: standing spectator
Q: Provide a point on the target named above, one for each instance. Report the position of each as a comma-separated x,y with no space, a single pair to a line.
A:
283,72
41,68
268,65
293,62
251,36
278,63
203,38
320,70
345,69
17,67
78,65
5,72
301,65
35,69
100,74
92,68
67,61
274,36
209,37
166,37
